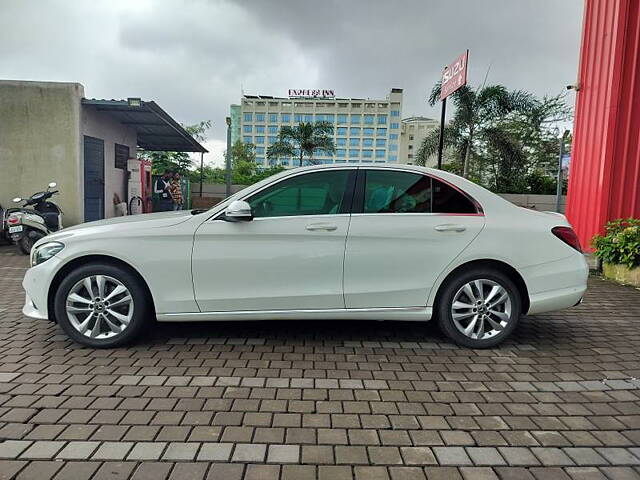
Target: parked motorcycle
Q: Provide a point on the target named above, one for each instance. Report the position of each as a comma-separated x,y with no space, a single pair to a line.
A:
28,225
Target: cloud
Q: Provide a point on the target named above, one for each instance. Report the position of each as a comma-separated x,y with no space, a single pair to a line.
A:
194,57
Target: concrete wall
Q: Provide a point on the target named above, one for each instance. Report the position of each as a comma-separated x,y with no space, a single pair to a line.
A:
100,125
40,142
536,202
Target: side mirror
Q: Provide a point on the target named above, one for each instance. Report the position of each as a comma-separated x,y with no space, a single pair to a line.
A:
17,200
53,185
238,211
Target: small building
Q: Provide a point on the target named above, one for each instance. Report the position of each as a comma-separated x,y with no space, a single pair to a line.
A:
413,132
50,132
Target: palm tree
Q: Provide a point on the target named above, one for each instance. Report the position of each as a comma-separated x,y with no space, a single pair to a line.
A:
477,111
303,139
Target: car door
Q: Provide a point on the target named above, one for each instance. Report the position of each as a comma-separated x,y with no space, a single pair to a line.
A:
290,256
406,227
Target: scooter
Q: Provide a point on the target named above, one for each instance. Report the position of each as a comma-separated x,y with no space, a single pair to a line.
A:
27,226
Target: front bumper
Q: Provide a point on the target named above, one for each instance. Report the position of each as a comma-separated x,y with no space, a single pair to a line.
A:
36,283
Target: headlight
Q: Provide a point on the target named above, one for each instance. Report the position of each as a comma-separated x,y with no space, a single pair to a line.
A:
44,252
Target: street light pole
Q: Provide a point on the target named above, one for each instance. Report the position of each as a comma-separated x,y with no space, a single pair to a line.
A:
559,177
228,159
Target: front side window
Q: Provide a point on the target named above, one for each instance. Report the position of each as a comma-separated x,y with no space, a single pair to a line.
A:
405,192
317,193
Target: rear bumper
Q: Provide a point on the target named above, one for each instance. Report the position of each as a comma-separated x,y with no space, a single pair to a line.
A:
556,285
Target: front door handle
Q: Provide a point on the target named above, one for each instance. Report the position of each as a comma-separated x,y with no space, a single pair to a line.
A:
450,227
327,227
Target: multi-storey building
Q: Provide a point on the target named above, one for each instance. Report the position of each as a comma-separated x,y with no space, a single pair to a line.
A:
364,130
413,132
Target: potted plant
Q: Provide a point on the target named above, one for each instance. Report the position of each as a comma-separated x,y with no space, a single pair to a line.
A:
619,250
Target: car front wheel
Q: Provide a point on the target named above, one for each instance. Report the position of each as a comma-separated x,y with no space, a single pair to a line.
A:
102,306
479,308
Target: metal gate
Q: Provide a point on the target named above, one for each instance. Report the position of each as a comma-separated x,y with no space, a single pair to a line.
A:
93,179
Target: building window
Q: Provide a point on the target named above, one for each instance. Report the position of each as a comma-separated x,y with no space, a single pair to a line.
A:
410,137
410,155
393,147
354,153
342,119
259,140
259,150
308,117
381,131
260,160
368,119
248,117
367,153
393,136
379,153
341,131
370,105
356,105
273,117
382,119
329,117
341,152
285,117
394,126
354,142
395,113
246,139
273,129
122,155
367,132
298,117
259,117
247,128
381,142
272,140
341,142
410,147
355,119
355,130
259,128
367,142
393,158
343,105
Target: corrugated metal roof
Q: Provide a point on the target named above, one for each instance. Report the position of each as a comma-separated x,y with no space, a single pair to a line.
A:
157,131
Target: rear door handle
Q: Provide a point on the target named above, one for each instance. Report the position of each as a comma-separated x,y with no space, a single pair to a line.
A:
450,227
327,227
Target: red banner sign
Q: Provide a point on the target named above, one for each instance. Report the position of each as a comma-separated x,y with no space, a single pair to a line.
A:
454,76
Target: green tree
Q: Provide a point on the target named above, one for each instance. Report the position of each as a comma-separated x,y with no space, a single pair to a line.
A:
303,139
476,113
178,161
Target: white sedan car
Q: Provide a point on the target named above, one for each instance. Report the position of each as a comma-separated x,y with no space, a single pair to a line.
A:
336,242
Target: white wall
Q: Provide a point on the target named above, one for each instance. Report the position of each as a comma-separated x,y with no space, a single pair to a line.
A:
101,125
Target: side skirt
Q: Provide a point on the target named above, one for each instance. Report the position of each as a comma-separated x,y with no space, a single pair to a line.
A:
414,314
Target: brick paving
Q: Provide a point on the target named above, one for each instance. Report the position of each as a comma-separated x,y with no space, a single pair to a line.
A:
323,400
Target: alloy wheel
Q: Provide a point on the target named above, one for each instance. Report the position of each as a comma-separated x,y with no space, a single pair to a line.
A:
481,309
99,306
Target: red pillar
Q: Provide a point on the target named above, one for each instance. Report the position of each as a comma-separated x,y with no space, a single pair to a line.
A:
604,181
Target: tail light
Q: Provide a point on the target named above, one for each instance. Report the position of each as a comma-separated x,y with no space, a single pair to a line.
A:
13,219
568,236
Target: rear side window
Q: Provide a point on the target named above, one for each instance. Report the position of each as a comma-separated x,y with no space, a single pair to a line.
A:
389,191
318,193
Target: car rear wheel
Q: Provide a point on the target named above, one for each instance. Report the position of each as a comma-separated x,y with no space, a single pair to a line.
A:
102,306
479,308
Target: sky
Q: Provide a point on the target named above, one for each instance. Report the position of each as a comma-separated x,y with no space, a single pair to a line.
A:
196,57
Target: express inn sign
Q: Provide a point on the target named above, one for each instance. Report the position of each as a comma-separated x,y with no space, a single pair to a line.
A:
295,93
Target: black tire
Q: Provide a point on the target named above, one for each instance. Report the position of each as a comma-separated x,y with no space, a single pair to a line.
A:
25,244
445,302
142,311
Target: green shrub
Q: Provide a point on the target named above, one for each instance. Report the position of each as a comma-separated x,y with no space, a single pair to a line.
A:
620,244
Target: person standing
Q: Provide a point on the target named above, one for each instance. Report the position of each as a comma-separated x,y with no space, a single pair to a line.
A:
176,191
162,188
